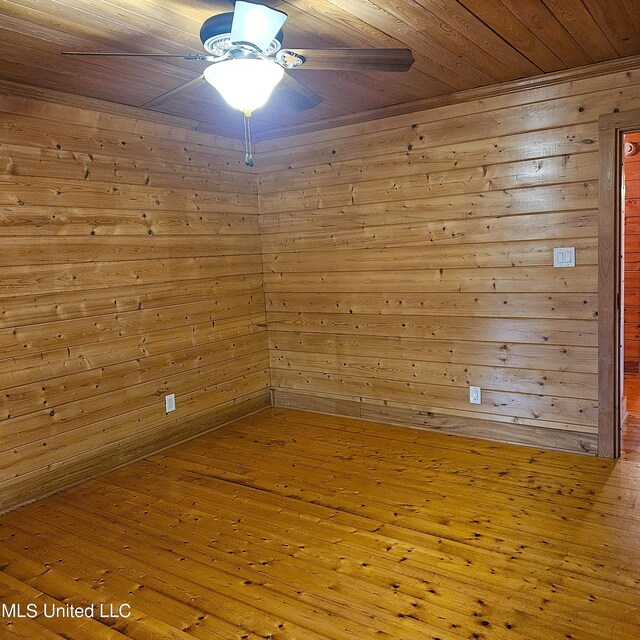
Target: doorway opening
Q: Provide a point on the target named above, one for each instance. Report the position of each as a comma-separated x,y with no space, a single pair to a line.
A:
630,294
617,402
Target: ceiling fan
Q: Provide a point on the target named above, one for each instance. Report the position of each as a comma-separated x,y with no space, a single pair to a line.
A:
247,60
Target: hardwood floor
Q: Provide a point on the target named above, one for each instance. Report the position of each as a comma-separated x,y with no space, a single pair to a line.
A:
290,525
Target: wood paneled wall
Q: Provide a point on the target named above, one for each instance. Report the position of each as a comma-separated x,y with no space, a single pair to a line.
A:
403,260
130,268
408,258
632,259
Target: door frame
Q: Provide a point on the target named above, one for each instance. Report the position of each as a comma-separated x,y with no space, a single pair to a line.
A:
612,128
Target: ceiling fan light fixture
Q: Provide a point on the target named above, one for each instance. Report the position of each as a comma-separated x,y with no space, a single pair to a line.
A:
244,83
256,24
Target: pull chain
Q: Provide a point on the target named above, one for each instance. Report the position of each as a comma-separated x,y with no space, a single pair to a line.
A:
248,156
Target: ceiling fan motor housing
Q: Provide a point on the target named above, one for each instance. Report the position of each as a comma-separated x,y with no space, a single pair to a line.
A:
215,35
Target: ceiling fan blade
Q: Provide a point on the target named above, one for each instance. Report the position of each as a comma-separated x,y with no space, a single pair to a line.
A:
297,95
256,24
185,56
356,59
155,102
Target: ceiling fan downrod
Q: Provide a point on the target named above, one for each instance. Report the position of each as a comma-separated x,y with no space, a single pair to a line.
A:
248,155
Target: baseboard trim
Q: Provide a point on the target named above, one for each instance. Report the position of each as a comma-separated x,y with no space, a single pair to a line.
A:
70,474
540,437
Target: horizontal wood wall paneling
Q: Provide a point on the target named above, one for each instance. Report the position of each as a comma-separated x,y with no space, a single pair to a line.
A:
22,220
577,197
561,440
409,258
505,119
515,175
69,438
634,207
131,269
88,330
31,396
570,140
90,356
22,160
98,364
42,279
632,279
67,305
17,190
497,329
106,423
516,279
506,228
425,412
61,475
391,285
579,81
39,102
633,332
496,354
519,406
556,436
434,256
517,305
564,384
93,248
27,131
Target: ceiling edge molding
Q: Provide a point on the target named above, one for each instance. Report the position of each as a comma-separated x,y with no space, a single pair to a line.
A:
489,91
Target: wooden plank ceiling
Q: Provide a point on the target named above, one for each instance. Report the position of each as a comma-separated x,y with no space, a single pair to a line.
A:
457,44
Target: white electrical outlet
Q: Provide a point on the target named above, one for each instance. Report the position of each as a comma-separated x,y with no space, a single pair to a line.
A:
170,402
564,257
475,395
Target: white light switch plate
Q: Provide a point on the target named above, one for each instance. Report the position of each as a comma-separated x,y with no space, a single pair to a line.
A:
170,403
564,257
475,395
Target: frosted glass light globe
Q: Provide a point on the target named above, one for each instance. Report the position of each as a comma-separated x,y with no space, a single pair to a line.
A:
245,83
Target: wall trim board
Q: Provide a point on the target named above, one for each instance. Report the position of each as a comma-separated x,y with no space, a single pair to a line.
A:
468,95
612,128
107,459
406,416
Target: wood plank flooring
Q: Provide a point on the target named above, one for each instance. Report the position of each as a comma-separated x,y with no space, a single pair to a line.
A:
291,525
